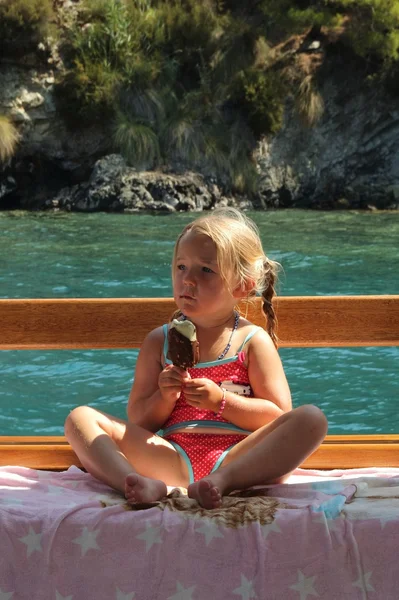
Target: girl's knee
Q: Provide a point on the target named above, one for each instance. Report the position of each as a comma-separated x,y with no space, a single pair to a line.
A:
312,419
77,416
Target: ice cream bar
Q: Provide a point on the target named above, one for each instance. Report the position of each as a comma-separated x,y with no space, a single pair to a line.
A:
183,344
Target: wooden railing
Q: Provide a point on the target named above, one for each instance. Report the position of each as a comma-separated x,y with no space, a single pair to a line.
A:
331,321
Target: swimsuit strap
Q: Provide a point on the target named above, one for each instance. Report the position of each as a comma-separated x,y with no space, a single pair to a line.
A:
249,336
166,345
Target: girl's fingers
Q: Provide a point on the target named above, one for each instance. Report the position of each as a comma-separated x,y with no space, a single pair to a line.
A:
192,392
178,371
170,383
173,377
195,403
197,382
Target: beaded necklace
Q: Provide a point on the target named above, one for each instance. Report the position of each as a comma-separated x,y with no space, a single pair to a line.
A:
225,351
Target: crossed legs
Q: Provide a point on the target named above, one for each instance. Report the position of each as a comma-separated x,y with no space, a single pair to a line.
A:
140,464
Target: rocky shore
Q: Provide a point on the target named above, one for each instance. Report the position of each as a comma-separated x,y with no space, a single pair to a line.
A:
349,159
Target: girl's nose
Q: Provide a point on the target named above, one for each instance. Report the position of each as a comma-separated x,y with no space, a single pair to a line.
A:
189,277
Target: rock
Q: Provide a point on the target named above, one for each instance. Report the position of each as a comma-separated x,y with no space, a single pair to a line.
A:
19,115
114,186
353,146
342,203
393,191
7,185
26,95
31,99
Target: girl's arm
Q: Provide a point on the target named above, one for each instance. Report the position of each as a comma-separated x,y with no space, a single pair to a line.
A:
268,382
147,405
272,396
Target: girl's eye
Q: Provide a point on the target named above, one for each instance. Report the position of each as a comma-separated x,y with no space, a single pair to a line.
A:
207,270
181,267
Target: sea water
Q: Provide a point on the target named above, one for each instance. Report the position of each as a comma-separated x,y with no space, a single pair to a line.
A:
63,255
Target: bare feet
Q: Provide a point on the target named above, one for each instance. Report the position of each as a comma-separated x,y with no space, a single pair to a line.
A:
206,492
143,489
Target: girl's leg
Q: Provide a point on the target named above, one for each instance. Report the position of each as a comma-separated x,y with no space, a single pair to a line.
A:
127,457
268,455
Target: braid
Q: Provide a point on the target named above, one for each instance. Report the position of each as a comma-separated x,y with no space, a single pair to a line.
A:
268,293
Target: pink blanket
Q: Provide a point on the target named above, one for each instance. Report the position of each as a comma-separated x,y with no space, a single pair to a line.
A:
330,535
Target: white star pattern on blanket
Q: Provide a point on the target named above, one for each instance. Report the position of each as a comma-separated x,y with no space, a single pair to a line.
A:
245,590
79,551
121,596
363,582
210,530
304,586
270,528
87,540
59,596
182,593
151,536
33,541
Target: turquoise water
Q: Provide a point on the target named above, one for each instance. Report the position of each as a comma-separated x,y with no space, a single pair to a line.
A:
58,255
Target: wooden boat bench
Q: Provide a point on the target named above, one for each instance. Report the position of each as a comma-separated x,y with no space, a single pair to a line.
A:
320,321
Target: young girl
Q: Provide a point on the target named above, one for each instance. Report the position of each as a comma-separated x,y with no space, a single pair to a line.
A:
227,423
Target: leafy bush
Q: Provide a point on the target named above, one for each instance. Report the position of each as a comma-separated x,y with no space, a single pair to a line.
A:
282,18
87,92
373,29
23,23
261,96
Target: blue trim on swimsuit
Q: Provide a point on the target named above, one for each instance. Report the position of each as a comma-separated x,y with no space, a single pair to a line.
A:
186,459
206,424
212,363
221,458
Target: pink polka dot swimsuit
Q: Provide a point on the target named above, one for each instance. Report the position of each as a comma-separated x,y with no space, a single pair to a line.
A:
204,452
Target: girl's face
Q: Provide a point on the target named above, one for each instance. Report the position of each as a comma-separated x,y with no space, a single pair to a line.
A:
198,286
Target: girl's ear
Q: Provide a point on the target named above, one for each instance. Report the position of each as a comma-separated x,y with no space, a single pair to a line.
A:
242,290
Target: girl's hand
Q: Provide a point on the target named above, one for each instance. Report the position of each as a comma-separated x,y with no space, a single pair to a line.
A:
170,382
203,393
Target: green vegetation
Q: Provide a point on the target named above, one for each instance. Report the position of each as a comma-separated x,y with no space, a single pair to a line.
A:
23,23
9,137
373,29
159,74
198,83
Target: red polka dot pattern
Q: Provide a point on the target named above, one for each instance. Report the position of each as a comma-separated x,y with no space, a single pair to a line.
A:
234,371
204,449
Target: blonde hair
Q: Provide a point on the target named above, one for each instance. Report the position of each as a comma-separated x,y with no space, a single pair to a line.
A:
240,255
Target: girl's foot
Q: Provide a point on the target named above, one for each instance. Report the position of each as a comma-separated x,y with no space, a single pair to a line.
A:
207,492
143,489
